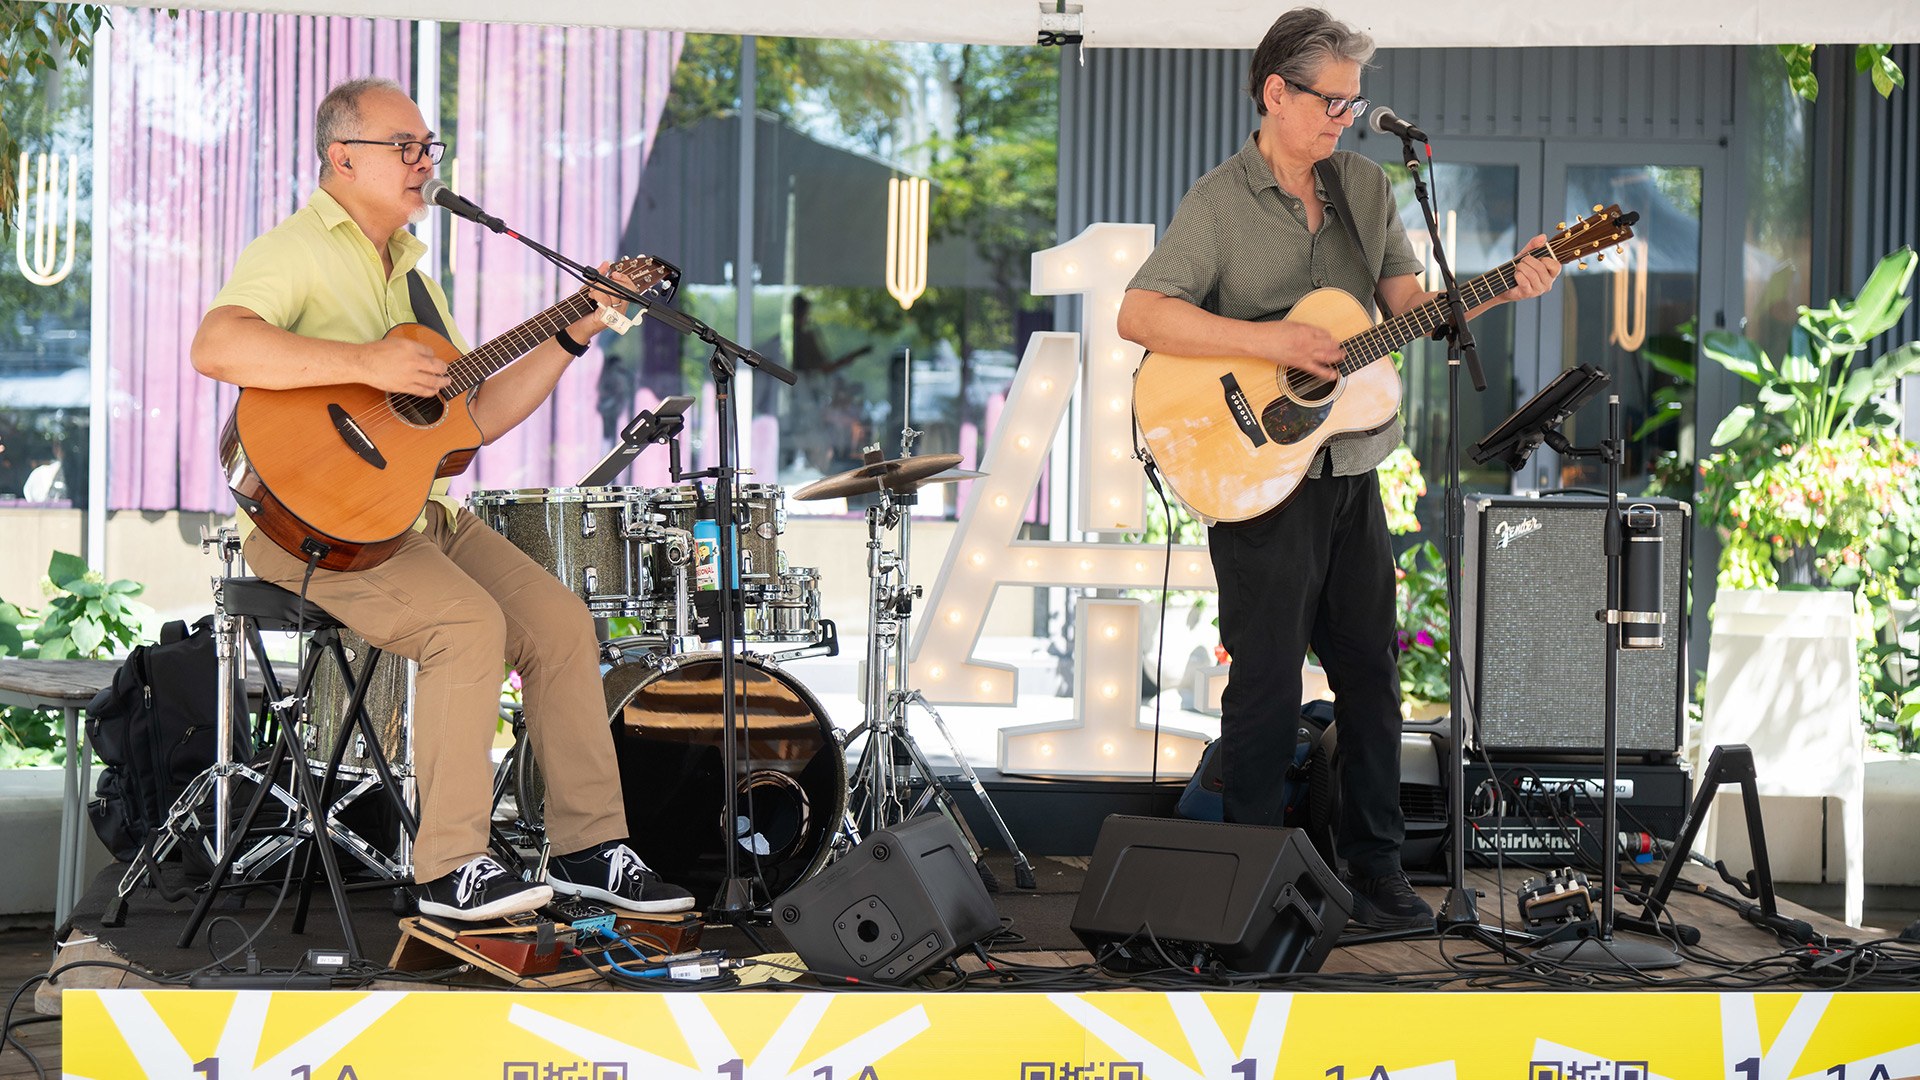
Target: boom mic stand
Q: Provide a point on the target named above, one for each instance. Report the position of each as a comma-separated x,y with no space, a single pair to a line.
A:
734,900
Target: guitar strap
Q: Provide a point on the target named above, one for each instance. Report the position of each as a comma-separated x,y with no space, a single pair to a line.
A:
1337,194
425,311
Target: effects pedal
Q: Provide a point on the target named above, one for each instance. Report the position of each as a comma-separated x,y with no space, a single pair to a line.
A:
1560,898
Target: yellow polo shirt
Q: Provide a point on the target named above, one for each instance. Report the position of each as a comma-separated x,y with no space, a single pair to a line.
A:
317,275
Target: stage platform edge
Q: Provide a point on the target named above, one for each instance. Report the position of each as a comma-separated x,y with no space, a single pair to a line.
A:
887,1035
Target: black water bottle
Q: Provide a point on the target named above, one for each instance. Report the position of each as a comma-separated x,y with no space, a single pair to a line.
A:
1641,614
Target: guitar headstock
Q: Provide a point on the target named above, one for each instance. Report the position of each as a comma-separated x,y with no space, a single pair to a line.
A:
647,272
1606,227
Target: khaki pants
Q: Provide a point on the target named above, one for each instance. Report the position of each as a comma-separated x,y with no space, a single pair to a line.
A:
461,601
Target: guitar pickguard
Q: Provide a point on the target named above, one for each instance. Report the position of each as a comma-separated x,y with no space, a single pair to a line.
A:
1287,421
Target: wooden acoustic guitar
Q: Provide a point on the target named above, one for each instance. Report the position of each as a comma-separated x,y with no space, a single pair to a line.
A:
343,471
1235,436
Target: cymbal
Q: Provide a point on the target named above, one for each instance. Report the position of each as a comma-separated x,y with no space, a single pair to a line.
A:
896,474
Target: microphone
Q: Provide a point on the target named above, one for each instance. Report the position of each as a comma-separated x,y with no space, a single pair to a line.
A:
437,191
1641,619
1383,120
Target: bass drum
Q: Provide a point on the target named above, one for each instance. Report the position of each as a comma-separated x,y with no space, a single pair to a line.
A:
666,733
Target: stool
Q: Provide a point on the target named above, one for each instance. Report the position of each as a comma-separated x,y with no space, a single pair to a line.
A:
246,606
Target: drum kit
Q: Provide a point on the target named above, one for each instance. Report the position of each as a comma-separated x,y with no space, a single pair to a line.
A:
642,560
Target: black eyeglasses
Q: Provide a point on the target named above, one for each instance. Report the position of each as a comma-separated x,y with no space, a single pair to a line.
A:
410,151
1336,106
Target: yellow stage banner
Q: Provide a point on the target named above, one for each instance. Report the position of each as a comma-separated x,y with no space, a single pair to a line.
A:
262,1035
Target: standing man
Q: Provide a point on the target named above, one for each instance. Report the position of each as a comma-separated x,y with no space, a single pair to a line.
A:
309,304
1249,240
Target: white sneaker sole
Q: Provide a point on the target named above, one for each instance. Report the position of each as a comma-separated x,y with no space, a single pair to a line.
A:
526,900
613,899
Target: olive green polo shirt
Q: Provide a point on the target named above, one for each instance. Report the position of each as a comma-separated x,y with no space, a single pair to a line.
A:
316,274
1239,247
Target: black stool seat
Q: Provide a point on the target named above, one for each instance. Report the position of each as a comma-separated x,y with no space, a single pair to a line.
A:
272,607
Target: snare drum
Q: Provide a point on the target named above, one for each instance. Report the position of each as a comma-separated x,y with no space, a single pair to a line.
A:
389,705
586,537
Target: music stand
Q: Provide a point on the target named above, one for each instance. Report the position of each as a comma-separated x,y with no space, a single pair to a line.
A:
658,425
1520,434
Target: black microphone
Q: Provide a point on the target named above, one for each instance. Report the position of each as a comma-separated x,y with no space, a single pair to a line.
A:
437,191
1382,120
1641,619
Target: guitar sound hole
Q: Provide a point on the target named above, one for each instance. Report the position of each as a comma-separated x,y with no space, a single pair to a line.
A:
423,411
1308,389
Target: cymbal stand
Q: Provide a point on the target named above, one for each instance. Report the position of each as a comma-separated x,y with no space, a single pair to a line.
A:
890,757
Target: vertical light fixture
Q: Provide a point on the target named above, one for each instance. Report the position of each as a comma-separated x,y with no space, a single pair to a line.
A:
1630,296
908,201
41,217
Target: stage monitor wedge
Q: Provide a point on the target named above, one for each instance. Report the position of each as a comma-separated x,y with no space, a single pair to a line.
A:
1165,890
900,903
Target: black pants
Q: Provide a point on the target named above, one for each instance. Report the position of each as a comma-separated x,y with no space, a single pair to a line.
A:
1318,573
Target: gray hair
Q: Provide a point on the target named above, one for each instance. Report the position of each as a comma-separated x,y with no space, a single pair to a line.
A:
339,116
1298,45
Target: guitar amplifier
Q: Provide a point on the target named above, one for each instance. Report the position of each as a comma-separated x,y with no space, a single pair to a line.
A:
1533,575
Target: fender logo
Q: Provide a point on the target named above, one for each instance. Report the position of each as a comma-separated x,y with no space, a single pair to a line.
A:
1506,532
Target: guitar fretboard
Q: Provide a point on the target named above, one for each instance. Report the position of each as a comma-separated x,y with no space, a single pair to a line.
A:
472,369
1379,340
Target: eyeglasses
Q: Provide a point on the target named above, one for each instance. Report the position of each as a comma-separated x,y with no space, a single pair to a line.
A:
1336,106
410,151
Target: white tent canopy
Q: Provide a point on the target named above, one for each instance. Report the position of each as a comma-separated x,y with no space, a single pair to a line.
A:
1201,24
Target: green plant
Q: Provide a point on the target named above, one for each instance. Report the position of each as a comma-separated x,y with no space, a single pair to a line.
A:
86,616
1870,60
1816,390
1421,589
37,37
1401,485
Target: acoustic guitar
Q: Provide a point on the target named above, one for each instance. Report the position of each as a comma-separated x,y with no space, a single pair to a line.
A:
1235,436
343,471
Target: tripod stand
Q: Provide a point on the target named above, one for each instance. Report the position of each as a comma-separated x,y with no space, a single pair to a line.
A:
890,758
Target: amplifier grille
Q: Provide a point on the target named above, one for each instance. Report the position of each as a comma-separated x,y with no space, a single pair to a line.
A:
1534,575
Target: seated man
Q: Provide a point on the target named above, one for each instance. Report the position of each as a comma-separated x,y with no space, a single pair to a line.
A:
308,305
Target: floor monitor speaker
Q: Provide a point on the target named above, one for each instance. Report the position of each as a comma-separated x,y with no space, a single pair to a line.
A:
1169,892
903,901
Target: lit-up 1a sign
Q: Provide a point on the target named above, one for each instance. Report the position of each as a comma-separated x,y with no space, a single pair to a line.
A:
1105,735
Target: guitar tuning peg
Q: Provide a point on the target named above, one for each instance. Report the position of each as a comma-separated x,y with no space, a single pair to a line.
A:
1602,256
1619,249
1562,225
1582,264
1597,208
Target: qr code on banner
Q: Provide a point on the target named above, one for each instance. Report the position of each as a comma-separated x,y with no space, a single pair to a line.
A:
563,1070
1588,1070
1091,1070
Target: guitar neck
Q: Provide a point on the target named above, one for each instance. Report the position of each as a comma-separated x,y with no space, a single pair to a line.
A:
1377,341
472,369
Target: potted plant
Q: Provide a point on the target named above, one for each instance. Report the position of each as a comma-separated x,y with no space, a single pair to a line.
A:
1814,488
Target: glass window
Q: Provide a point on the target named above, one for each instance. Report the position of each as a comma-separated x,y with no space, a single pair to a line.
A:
46,293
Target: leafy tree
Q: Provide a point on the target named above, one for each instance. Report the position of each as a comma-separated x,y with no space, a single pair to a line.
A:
1869,60
35,38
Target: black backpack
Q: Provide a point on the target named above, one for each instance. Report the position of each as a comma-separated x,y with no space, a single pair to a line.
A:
154,727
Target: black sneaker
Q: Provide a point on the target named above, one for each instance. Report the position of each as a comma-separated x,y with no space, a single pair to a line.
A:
612,874
1388,903
482,889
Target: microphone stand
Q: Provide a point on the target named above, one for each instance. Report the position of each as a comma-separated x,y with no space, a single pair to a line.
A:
1460,908
734,900
1590,945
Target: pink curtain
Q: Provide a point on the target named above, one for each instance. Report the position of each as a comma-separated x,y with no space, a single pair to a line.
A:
211,130
555,126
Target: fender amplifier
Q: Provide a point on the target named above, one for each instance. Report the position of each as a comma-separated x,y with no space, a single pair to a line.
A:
1533,576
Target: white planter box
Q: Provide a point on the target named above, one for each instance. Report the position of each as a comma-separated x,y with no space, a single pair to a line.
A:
1794,838
30,822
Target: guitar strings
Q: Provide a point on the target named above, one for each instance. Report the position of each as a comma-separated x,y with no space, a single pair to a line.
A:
1377,341
472,368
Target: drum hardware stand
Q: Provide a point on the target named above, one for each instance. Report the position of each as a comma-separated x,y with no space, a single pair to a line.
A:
881,773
